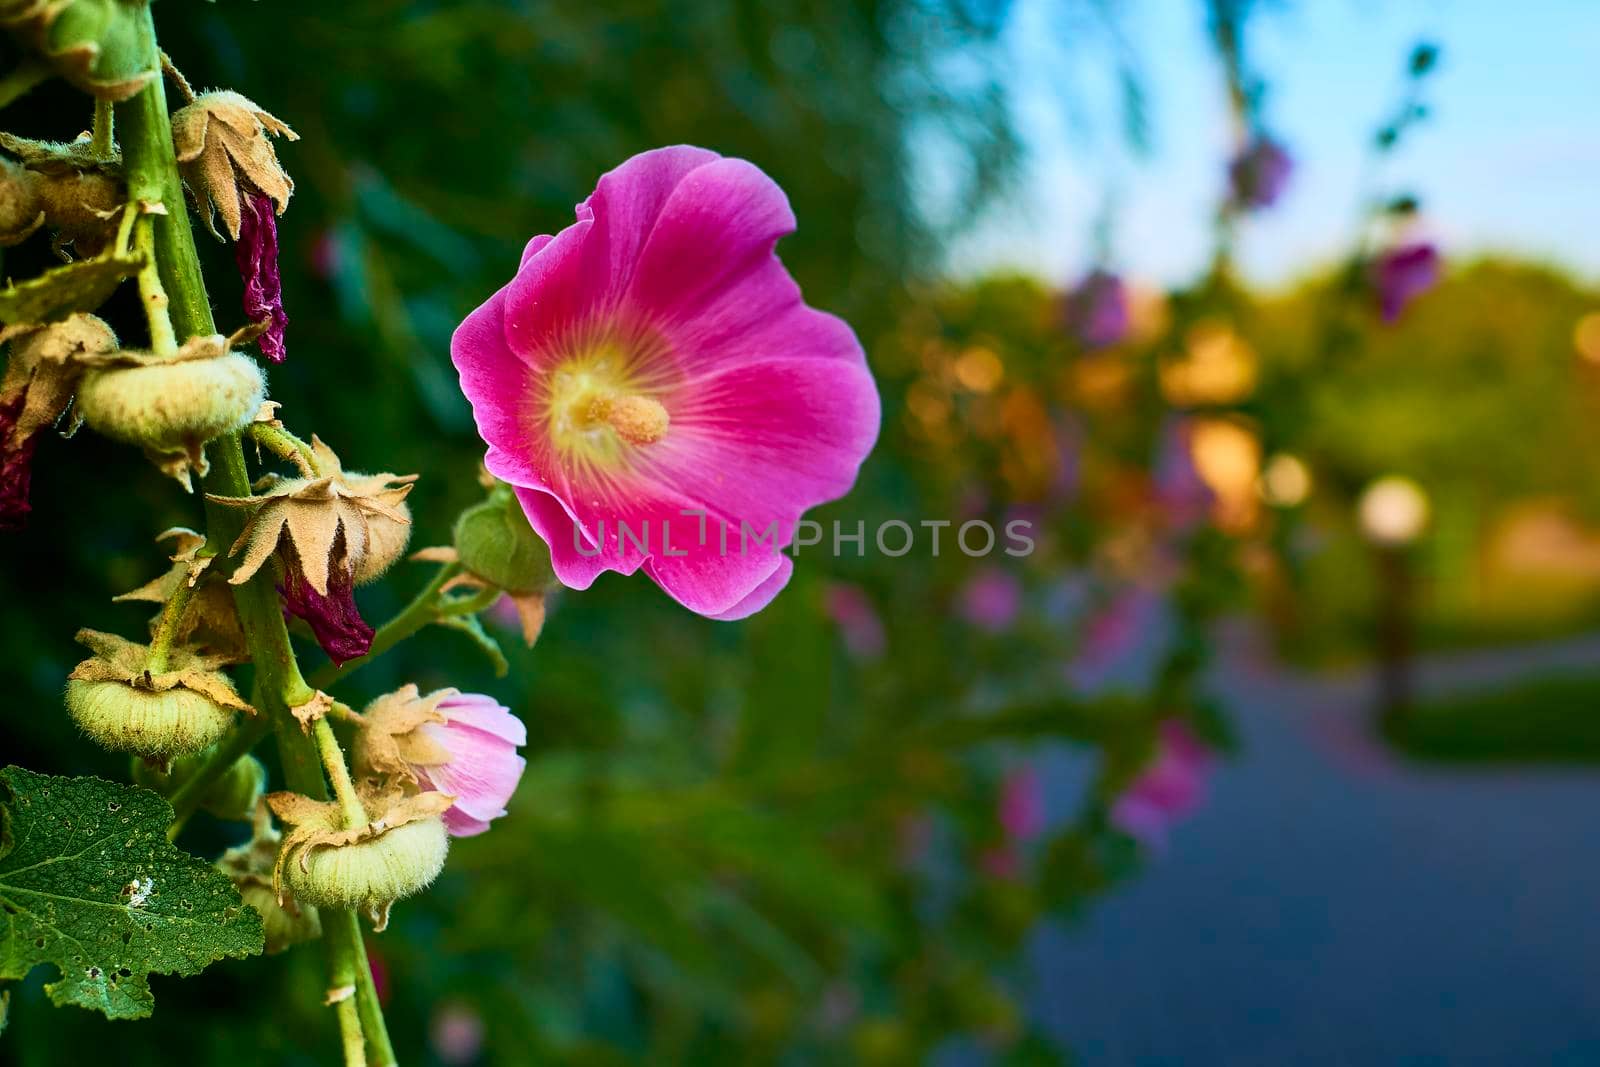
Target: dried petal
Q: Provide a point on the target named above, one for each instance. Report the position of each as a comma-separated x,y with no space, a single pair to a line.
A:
257,256
334,619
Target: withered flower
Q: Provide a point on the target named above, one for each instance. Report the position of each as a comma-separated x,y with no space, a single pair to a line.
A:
210,621
332,530
227,159
64,186
40,376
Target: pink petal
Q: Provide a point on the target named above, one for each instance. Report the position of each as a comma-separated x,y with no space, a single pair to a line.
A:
482,772
458,823
716,231
486,714
490,376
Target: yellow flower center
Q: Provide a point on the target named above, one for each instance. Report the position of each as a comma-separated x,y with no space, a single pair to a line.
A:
600,405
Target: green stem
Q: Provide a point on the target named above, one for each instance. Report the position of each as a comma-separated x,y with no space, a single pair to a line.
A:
341,973
152,294
347,926
167,627
284,445
355,816
104,142
422,610
152,174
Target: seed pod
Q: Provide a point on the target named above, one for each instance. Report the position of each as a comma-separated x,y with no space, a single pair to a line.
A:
126,719
284,924
371,874
21,210
117,699
223,149
171,406
327,863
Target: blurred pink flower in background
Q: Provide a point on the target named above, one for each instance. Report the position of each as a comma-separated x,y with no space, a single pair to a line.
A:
991,599
852,611
1169,788
1097,310
1260,173
1111,635
1402,274
655,357
1021,807
456,1034
1177,489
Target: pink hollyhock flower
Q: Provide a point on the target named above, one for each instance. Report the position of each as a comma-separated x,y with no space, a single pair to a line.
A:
1402,274
256,254
458,743
1021,807
657,392
991,599
1097,310
1260,173
852,611
482,738
1171,786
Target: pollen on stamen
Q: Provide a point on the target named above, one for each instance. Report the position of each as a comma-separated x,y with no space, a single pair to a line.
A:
639,420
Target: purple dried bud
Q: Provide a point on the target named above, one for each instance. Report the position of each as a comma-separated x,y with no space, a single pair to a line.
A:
334,619
1097,310
257,255
1260,173
1402,274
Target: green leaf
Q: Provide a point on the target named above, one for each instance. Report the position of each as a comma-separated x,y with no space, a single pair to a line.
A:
80,286
90,883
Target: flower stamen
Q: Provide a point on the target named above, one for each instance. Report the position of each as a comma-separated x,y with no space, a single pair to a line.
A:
639,420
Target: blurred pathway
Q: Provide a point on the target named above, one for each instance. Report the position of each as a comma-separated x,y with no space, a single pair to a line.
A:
1332,905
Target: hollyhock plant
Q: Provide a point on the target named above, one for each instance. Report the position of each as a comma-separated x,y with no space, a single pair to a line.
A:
461,744
1259,173
1169,788
1402,274
1097,310
656,391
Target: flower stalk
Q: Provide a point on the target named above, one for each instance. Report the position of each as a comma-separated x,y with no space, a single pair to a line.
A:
151,169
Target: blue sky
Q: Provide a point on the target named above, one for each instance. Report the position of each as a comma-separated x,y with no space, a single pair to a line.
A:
1509,161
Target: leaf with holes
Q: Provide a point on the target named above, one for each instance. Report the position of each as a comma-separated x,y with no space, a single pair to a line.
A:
90,883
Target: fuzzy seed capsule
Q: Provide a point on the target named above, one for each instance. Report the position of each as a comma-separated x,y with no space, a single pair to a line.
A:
371,874
282,924
156,724
173,405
